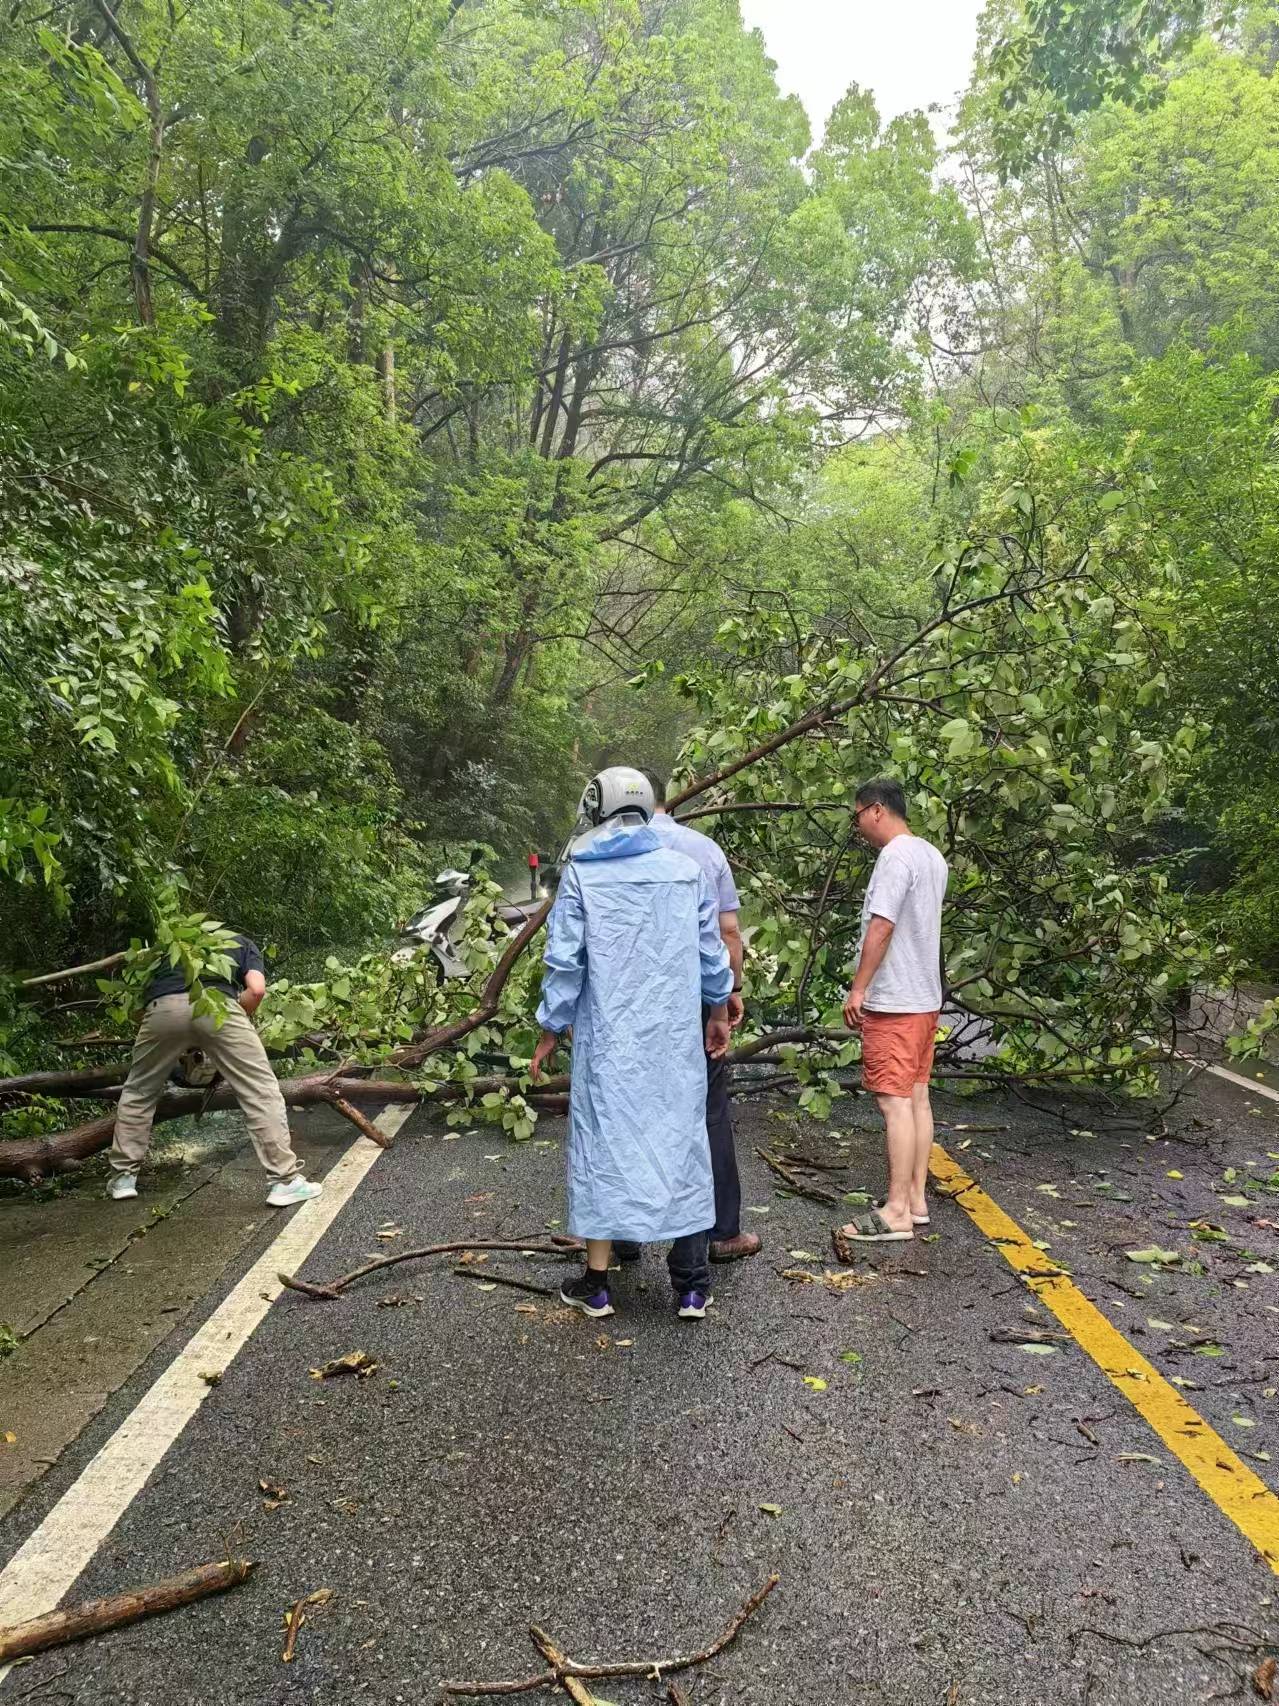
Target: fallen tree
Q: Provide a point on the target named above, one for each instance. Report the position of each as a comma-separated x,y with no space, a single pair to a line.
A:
1019,716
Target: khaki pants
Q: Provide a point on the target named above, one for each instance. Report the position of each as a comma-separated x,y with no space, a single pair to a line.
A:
168,1027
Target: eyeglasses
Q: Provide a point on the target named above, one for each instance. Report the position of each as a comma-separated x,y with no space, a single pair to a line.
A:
860,811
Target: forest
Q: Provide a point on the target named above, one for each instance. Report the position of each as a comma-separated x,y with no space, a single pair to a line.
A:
408,406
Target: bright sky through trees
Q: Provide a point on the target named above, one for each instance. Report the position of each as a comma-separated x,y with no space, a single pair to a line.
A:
911,53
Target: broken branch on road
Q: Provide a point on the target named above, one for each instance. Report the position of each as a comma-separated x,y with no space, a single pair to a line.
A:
565,1672
334,1288
490,1276
96,1616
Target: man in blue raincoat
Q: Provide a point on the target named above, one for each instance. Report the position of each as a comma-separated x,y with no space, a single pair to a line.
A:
633,954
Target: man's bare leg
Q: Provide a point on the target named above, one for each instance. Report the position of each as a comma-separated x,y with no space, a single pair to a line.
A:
923,1113
899,1119
599,1253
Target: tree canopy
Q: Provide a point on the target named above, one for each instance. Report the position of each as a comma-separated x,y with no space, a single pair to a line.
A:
407,406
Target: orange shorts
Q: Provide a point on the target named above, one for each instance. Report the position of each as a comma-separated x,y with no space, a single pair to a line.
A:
897,1051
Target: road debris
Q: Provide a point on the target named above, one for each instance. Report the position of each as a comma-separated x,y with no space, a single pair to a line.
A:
565,1673
358,1363
490,1277
558,1247
96,1616
273,1496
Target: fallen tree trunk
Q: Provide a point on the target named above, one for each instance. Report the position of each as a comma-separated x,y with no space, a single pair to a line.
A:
64,1082
35,1158
95,1616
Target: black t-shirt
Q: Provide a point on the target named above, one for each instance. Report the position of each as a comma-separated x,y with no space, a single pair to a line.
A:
245,957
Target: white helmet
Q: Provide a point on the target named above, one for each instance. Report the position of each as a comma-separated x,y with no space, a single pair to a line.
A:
615,791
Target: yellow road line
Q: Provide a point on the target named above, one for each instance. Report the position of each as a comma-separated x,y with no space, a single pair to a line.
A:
1226,1479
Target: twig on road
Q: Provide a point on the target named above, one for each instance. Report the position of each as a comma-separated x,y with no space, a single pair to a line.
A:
297,1617
490,1278
95,1616
794,1181
565,1672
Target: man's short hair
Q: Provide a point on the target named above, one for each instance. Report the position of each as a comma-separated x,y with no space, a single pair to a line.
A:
659,782
883,791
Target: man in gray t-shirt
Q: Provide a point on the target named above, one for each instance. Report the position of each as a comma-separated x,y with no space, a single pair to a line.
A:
895,1002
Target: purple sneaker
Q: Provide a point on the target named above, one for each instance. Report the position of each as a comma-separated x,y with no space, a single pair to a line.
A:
588,1295
694,1304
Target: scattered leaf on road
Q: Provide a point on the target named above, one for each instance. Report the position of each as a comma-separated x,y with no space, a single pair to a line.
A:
358,1363
1243,1421
1136,1457
1263,1679
771,1510
851,1357
815,1381
1164,1258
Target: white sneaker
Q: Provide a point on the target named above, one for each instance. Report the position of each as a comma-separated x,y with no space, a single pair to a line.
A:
289,1191
123,1186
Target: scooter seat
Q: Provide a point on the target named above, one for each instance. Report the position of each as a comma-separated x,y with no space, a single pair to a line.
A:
514,914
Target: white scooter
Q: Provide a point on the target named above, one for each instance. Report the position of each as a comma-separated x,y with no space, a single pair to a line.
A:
436,928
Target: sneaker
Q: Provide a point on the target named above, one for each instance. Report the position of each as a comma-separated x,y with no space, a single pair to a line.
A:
123,1186
288,1191
626,1251
588,1295
694,1304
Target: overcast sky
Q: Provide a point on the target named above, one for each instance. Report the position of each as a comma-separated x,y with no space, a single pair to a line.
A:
909,52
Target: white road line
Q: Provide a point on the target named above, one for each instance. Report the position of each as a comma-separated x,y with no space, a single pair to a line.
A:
47,1565
1252,1085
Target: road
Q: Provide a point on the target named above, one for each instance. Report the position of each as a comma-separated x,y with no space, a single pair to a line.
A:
954,1518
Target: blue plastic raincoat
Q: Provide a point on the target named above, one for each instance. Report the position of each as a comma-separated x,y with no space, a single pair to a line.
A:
633,951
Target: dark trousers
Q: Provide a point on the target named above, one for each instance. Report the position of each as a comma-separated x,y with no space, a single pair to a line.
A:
688,1261
719,1128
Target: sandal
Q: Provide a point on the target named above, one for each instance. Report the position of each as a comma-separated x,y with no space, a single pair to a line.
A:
872,1228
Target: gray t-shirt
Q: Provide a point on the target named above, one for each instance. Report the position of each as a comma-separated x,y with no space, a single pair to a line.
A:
704,852
907,886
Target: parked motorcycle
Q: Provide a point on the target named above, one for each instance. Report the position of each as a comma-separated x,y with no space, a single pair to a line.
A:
436,929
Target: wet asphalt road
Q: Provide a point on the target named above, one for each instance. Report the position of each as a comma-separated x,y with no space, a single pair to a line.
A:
957,1520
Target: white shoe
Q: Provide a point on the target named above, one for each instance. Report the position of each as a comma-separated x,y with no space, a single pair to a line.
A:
123,1186
289,1191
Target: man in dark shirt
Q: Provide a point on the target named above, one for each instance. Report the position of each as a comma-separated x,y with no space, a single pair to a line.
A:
170,1025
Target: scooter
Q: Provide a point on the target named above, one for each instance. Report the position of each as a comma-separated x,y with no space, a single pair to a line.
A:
436,928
